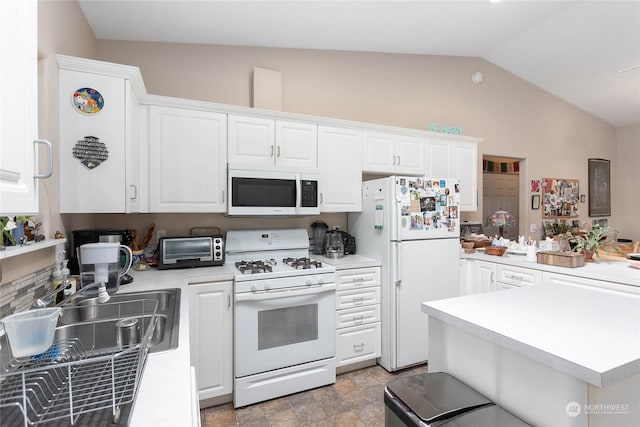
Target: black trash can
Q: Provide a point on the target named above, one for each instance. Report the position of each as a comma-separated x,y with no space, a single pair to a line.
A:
439,399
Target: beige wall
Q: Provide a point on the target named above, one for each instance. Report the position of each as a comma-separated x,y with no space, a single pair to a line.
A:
56,35
516,118
628,176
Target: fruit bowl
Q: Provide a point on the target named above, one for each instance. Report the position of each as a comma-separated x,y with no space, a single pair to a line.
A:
496,250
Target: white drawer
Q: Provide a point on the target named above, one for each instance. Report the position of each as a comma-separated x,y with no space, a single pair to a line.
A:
358,278
357,297
357,316
517,276
357,344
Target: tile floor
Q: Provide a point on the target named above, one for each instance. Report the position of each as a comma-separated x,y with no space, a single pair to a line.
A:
356,399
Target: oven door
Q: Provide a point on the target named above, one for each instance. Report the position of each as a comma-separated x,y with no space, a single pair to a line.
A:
276,329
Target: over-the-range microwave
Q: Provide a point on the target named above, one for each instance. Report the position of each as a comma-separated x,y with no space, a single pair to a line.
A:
263,191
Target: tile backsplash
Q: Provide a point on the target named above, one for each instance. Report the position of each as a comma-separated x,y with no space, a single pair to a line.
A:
19,294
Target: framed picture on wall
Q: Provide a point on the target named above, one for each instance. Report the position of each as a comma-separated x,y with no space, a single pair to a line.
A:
535,201
599,187
561,197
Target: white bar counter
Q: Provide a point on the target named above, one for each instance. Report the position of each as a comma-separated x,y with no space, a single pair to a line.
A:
551,354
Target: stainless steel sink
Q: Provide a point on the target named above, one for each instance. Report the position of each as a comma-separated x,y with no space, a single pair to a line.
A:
105,370
91,321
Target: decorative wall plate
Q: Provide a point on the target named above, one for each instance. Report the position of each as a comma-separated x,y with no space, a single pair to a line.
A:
87,100
90,151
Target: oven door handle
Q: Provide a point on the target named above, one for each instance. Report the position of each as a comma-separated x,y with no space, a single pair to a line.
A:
286,293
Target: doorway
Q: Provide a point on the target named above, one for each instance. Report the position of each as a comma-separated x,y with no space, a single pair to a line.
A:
501,191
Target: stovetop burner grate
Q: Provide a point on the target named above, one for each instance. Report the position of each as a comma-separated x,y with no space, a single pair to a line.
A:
254,267
302,263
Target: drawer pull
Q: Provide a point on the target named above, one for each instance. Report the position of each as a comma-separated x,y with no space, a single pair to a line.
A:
358,319
358,279
358,300
519,278
358,347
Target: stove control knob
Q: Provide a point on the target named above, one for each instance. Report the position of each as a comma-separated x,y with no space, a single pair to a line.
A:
267,286
253,287
309,282
320,280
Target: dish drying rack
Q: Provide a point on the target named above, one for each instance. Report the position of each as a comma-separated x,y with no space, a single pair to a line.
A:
80,380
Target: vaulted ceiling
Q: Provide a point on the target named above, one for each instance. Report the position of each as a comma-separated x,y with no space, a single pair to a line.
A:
585,52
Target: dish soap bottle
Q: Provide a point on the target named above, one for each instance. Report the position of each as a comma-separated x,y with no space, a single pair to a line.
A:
68,282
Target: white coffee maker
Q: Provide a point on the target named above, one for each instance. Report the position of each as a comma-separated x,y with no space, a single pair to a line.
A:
100,263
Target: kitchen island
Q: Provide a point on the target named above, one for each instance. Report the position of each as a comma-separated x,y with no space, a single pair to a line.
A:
551,354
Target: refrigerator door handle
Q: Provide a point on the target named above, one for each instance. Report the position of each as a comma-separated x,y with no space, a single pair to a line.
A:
398,269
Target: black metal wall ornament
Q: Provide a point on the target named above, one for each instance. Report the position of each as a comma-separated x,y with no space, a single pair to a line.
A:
90,151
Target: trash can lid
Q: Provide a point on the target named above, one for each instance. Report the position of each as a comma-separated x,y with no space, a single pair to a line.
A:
436,396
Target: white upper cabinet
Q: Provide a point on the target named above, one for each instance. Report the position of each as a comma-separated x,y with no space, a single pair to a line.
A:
19,108
268,142
339,162
450,158
187,160
392,154
93,145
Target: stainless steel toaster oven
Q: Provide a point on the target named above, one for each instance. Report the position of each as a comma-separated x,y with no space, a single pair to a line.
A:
192,251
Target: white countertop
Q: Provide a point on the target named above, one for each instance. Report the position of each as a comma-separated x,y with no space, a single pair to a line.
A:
348,261
609,271
590,334
165,394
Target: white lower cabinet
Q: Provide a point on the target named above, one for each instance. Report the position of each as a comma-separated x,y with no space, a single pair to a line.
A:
211,336
508,276
358,336
357,344
564,279
485,277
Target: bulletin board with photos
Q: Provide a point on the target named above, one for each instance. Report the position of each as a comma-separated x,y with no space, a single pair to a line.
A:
560,197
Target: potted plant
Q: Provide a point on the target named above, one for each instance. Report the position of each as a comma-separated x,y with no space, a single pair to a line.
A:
590,243
6,224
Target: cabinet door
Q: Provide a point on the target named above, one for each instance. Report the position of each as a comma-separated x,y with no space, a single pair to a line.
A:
410,155
465,168
101,189
251,140
517,276
137,176
438,159
187,160
18,107
354,278
354,298
565,279
340,166
296,144
357,344
379,153
211,336
485,273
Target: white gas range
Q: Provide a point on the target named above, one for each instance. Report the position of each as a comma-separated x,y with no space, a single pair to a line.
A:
284,315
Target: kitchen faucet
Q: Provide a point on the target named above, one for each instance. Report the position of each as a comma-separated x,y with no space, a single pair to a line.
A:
103,295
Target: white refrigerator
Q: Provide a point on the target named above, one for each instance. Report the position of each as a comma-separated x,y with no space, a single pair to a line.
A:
412,225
